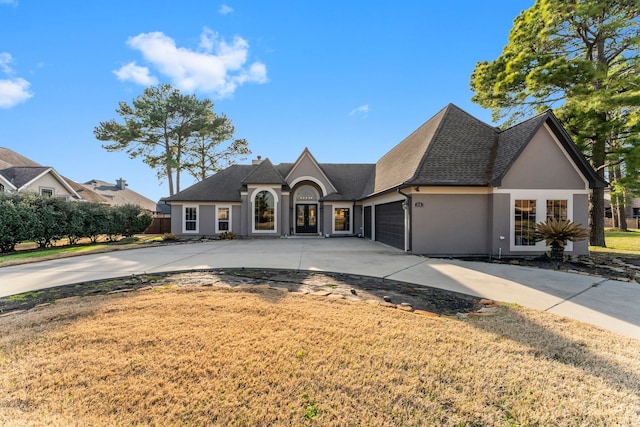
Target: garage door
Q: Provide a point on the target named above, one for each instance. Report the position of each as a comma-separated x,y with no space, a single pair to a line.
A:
390,224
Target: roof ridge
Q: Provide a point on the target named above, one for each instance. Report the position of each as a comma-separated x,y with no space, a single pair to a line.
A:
537,116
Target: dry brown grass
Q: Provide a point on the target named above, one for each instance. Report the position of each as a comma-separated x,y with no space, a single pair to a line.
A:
211,356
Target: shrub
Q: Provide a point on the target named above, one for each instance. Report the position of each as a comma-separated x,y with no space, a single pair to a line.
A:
557,232
169,237
227,235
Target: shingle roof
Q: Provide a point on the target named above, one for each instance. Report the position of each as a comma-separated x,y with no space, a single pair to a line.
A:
349,179
11,158
21,175
452,148
113,195
264,173
460,152
223,186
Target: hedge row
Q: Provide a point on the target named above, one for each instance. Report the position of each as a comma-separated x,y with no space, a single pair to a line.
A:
29,217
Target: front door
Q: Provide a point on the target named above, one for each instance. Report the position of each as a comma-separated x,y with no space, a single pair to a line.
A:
306,219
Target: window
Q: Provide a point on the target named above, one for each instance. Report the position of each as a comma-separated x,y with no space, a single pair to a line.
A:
1,188
264,211
46,192
306,194
341,219
525,222
223,219
190,219
531,207
557,209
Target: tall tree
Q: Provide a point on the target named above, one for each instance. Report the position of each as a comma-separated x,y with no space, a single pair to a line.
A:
580,57
163,127
213,148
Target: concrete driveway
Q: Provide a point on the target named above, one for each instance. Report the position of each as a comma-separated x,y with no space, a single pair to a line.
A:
606,303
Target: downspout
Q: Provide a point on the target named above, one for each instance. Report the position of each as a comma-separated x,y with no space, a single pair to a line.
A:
407,241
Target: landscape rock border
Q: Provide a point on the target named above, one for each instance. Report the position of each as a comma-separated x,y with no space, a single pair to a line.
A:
274,284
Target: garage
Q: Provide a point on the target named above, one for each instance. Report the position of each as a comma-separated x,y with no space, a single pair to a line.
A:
389,224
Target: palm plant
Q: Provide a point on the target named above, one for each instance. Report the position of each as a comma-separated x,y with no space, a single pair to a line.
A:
557,232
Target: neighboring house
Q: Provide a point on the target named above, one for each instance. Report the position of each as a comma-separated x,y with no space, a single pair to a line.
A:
119,194
632,211
18,173
455,186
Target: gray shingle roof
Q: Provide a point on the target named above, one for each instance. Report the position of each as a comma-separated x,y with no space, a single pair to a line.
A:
460,152
225,186
452,148
20,175
264,173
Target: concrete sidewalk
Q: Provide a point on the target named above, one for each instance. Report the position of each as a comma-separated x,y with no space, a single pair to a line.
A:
606,303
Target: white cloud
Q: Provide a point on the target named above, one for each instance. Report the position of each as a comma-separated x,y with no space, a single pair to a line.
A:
11,2
5,60
218,68
225,10
13,92
363,109
136,74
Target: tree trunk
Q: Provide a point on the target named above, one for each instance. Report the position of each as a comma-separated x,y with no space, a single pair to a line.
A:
620,202
557,253
596,234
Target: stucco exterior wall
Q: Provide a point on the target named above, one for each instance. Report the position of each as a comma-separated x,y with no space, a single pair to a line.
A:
500,229
48,181
581,216
543,164
176,219
450,224
306,169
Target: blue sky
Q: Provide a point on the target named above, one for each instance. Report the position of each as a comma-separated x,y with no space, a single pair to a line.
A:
347,79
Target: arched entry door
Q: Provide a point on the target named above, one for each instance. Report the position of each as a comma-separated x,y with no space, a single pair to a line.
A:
306,201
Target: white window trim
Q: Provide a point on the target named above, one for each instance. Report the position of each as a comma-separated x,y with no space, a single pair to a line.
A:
275,211
333,219
230,218
184,219
53,191
541,198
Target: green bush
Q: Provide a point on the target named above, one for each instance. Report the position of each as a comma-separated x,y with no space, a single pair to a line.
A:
27,216
16,219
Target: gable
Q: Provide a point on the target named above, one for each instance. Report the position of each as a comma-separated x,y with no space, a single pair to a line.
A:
48,179
544,164
307,169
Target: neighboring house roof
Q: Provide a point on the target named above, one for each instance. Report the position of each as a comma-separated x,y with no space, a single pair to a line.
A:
118,194
85,193
452,148
10,158
23,176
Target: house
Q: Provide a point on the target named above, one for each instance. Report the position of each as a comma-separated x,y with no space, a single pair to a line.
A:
455,186
18,173
119,194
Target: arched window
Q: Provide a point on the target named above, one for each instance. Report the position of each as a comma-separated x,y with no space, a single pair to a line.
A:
306,194
264,211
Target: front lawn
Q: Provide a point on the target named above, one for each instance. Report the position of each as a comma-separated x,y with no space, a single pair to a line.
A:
220,356
620,243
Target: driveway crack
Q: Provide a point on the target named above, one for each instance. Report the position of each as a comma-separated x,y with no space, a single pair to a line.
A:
578,294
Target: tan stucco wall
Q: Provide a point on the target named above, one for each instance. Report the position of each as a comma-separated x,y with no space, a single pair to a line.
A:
48,181
543,165
450,224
